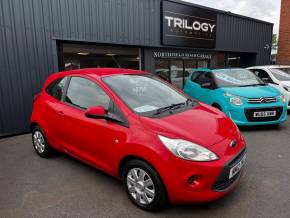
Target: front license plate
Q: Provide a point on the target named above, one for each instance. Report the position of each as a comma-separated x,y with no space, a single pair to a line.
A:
237,168
265,114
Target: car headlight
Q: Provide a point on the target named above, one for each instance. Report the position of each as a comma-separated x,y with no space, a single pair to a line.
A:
235,100
282,97
287,88
188,150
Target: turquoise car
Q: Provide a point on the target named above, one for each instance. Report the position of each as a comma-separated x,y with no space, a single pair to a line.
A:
240,94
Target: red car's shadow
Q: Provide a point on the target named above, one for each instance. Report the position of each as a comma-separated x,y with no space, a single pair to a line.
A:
97,178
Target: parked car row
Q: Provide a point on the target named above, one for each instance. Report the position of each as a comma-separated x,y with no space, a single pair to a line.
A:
276,76
163,144
241,94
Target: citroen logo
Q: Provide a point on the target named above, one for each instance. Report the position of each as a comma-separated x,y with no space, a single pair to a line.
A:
233,143
263,100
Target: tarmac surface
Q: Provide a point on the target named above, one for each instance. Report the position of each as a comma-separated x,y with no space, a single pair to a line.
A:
64,187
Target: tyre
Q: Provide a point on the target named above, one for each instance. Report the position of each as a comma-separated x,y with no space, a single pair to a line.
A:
40,143
144,185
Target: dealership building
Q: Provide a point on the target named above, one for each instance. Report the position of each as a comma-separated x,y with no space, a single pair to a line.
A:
166,37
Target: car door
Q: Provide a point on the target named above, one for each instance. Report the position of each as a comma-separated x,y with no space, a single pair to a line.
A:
192,86
194,89
52,108
205,92
92,140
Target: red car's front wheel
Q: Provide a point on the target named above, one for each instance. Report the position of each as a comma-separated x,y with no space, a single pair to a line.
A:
144,186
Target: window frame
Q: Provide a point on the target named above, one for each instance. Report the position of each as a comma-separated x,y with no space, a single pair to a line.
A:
263,71
80,108
53,83
196,76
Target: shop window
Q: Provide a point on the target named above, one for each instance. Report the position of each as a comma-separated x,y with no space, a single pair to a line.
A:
162,69
177,72
76,56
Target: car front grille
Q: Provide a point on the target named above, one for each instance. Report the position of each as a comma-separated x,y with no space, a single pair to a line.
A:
249,112
262,100
223,181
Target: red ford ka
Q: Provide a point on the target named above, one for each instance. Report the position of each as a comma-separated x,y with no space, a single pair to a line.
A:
164,145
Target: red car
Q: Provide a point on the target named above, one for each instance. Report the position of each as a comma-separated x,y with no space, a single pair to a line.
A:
136,127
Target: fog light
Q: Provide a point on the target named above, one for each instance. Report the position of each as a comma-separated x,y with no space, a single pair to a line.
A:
193,180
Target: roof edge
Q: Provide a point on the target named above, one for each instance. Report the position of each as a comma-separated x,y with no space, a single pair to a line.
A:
221,11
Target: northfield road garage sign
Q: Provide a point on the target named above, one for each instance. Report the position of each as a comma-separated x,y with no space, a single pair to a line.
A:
188,26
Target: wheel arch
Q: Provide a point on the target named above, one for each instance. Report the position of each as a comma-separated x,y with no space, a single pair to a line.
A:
126,159
32,125
217,105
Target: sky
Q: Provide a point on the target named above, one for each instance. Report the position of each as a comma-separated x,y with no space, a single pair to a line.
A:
267,10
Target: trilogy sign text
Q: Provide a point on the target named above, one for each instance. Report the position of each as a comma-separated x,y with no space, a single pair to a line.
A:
188,26
176,22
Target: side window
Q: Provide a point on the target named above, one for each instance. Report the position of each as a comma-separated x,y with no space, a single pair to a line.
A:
84,93
195,77
263,75
205,78
55,89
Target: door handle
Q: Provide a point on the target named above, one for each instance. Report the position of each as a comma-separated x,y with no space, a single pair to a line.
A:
61,113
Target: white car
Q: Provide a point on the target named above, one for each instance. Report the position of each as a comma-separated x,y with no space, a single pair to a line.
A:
277,76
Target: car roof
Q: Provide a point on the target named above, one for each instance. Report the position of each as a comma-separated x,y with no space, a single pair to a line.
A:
269,66
215,69
99,72
94,73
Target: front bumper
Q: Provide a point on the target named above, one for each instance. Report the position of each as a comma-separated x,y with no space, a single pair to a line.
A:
242,116
210,178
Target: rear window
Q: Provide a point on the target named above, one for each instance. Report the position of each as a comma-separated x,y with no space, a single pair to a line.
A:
56,88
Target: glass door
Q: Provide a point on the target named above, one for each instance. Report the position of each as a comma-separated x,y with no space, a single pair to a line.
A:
177,71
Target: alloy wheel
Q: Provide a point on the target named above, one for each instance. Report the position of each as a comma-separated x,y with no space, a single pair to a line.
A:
38,141
140,186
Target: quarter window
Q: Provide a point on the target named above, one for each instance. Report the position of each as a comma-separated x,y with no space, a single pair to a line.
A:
55,89
84,93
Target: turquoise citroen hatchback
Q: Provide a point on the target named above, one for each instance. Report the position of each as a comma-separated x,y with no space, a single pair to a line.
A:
239,94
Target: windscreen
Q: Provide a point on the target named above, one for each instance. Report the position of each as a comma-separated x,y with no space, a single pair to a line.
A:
235,78
144,93
282,74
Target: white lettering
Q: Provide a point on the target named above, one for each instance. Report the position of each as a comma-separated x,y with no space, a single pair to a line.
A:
204,27
178,22
169,19
184,24
211,27
196,25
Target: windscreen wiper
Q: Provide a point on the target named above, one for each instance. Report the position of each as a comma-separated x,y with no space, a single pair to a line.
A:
172,107
252,85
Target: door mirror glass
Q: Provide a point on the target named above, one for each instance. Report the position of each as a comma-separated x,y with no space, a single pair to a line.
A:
206,85
97,112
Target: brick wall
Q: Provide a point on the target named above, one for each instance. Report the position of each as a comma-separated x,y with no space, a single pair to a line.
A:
284,34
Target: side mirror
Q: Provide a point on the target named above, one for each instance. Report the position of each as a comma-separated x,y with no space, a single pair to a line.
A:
97,112
206,85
